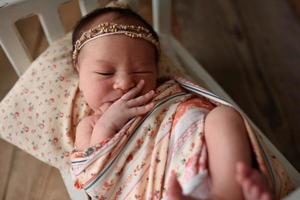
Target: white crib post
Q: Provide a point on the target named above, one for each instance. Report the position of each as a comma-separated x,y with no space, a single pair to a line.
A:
86,6
162,19
13,47
50,20
10,39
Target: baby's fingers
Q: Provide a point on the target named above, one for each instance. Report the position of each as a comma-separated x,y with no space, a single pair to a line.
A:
140,110
141,100
134,91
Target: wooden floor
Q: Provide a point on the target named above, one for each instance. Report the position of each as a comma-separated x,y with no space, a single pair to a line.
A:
252,48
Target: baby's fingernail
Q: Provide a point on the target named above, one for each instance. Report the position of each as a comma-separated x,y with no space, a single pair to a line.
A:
142,81
150,105
151,92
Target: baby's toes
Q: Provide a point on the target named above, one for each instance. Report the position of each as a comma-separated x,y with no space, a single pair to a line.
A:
250,190
255,193
247,187
266,196
258,180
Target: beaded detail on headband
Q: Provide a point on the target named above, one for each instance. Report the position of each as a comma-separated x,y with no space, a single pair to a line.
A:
108,28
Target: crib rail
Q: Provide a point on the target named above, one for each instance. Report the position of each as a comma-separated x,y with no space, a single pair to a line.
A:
10,38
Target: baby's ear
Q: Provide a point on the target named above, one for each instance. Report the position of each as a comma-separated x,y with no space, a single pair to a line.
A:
77,69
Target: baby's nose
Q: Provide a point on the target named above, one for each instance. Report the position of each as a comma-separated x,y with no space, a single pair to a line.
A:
125,83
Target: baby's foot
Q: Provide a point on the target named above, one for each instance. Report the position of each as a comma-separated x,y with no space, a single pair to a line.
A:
253,184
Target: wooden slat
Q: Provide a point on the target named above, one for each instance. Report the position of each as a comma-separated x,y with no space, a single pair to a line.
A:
31,179
6,158
274,34
252,49
295,4
55,188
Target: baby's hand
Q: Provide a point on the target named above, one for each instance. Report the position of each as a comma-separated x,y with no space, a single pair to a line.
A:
128,106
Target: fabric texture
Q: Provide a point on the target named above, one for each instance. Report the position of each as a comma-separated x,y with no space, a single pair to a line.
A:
137,161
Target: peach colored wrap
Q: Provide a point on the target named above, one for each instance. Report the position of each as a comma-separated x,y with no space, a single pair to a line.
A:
137,161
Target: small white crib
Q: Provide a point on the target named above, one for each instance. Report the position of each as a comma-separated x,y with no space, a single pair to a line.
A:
12,10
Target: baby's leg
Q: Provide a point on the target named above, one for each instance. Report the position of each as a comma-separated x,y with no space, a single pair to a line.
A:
253,184
227,143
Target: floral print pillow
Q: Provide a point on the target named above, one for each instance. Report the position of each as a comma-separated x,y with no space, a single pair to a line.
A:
40,112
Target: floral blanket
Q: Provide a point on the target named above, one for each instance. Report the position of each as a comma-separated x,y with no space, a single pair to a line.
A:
135,163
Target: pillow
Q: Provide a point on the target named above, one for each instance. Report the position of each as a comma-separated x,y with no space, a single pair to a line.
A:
41,111
38,113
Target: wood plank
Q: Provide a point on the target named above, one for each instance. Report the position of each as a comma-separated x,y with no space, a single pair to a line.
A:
273,31
250,48
55,188
6,158
295,5
31,179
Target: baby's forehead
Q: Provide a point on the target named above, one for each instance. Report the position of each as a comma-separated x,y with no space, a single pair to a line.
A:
112,17
117,47
117,18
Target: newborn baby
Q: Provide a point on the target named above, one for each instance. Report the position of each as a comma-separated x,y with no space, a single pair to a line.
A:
118,71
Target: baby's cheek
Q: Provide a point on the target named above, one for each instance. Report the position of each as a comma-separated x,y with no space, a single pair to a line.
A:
150,83
148,86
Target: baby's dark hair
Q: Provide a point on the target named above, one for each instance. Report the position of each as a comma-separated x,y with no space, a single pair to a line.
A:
81,26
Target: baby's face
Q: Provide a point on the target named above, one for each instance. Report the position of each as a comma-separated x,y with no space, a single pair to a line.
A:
110,66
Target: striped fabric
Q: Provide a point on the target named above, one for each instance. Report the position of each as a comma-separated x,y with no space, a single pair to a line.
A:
136,162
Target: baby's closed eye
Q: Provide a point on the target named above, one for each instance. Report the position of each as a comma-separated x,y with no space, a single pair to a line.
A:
142,72
134,72
105,73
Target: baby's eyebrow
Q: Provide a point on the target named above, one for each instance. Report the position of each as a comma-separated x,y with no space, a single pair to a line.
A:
104,61
144,63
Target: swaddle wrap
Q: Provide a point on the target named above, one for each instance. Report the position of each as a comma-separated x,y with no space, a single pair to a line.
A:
137,161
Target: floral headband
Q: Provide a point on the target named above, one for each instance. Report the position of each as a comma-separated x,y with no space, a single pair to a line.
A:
107,28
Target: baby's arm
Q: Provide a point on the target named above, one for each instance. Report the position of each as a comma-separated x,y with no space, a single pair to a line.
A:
84,131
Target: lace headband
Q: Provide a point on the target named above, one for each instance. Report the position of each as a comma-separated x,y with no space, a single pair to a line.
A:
107,28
